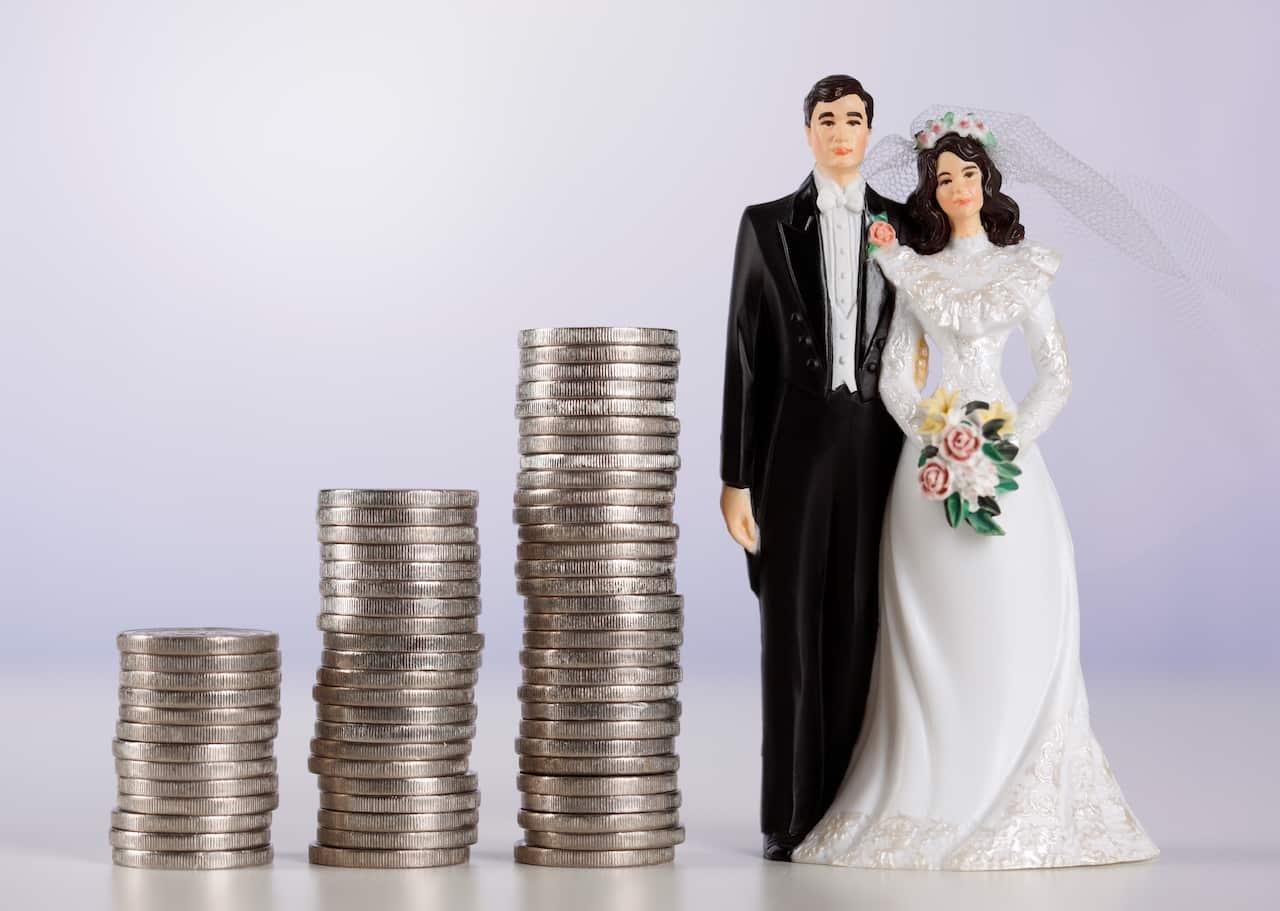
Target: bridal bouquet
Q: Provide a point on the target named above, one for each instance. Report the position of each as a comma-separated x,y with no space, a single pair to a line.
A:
967,459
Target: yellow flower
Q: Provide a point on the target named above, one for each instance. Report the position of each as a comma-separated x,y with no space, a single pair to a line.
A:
936,408
996,413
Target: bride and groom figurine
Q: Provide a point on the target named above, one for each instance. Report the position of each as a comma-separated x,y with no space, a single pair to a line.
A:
923,701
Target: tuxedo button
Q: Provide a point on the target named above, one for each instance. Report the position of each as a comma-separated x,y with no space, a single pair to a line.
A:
842,358
808,340
813,363
871,366
797,318
880,343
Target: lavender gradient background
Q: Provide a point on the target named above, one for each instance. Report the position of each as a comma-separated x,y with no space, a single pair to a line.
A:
250,250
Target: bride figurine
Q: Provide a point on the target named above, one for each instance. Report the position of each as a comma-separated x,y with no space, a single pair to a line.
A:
976,752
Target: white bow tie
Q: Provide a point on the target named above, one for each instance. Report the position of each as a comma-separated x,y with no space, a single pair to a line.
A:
851,198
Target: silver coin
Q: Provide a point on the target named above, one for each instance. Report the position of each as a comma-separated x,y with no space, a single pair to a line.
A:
673,620
399,572
575,694
399,661
594,605
581,823
142,714
397,822
396,698
550,857
591,569
191,752
395,626
186,664
602,550
359,642
194,771
447,771
589,786
188,824
598,335
399,499
546,444
439,714
594,749
348,515
589,408
354,678
598,657
223,841
613,496
196,699
577,515
607,842
540,390
601,461
600,354
192,860
617,765
198,733
602,676
429,795
577,480
391,752
645,638
394,733
203,640
224,787
324,856
351,588
614,531
198,806
396,841
640,585
402,553
600,426
608,711
598,730
398,534
422,608
639,803
645,373
230,680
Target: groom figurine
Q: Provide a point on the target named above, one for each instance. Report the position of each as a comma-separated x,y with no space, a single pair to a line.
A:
808,455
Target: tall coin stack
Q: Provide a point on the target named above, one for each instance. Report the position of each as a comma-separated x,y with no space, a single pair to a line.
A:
194,748
395,697
596,560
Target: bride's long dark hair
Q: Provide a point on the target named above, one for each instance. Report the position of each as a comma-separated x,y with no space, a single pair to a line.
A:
930,229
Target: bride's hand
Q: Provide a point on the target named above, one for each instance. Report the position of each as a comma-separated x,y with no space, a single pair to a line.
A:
735,506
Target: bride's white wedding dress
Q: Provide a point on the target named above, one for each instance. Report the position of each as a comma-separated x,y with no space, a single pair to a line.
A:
976,753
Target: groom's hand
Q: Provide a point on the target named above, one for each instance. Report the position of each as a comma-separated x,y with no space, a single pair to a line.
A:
735,506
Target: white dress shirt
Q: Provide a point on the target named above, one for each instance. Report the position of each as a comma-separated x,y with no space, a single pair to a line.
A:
840,214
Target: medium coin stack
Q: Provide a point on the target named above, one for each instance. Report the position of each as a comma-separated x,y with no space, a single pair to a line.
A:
596,560
194,748
395,697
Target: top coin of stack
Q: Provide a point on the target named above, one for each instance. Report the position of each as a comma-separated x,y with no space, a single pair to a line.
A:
594,499
395,698
194,748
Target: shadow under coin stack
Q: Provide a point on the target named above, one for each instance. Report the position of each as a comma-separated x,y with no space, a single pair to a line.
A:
195,748
395,697
596,562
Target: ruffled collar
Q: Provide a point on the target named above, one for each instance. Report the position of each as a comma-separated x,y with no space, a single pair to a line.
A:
969,246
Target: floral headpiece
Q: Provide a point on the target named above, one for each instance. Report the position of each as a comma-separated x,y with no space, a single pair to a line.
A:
967,125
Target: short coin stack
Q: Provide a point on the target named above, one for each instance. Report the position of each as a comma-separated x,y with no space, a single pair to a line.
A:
395,697
596,560
195,747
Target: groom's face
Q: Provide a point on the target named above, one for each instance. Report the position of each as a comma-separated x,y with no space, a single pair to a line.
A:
838,134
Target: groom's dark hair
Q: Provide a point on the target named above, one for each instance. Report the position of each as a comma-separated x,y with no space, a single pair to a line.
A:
833,87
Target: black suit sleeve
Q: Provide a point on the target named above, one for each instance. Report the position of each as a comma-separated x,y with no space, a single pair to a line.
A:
737,436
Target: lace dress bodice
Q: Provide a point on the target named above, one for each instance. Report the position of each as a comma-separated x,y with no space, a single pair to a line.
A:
968,299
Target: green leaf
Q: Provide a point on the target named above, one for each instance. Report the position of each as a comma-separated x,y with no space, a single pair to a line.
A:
991,452
948,119
990,505
1007,486
991,429
974,406
1007,450
880,216
954,509
983,524
1008,469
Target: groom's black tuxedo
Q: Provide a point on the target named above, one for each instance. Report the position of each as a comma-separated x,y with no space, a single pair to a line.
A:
819,463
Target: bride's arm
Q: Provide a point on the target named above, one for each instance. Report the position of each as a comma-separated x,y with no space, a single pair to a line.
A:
898,389
1052,386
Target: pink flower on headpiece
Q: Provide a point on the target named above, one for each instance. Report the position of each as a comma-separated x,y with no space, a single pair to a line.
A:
964,124
920,137
979,125
937,128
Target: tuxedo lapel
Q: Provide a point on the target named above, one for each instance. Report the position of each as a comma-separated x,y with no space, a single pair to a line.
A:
802,243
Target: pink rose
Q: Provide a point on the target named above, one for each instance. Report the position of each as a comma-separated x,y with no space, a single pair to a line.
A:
881,233
960,442
964,124
935,480
937,128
